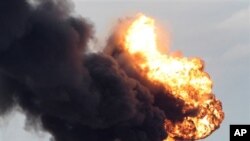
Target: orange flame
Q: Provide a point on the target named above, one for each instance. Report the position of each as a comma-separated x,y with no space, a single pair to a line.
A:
182,77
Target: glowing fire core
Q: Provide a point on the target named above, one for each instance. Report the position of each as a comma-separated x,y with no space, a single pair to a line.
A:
183,77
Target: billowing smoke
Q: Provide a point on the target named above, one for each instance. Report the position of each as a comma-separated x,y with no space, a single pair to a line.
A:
77,96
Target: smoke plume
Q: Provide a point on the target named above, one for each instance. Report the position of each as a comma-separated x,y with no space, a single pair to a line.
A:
45,69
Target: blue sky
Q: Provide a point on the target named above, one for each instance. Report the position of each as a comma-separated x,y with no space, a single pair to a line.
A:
217,31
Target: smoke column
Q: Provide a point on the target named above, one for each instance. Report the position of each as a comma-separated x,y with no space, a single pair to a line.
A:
76,95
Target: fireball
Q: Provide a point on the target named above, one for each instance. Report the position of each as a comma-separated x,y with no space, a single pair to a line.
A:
182,77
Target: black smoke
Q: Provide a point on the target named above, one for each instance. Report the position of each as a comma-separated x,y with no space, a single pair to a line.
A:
77,96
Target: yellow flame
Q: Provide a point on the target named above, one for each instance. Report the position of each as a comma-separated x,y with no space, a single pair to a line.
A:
182,77
169,139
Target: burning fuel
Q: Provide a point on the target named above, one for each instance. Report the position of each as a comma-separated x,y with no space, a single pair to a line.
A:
130,91
183,77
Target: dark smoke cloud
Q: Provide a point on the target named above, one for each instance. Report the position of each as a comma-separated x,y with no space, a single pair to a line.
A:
77,96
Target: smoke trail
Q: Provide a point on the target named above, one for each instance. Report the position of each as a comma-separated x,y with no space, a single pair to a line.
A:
44,69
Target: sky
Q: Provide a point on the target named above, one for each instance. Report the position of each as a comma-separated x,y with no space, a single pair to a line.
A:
216,31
